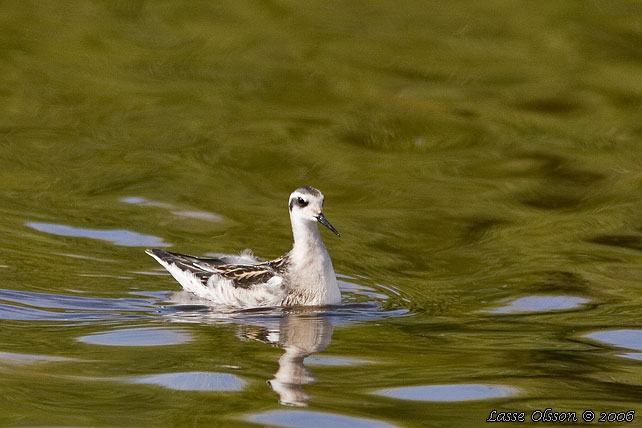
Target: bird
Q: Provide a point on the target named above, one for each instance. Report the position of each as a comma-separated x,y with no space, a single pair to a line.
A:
304,276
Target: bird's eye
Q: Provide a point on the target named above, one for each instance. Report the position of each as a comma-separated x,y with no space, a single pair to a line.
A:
301,202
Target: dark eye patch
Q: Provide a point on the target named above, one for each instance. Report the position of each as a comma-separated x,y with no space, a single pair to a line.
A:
298,201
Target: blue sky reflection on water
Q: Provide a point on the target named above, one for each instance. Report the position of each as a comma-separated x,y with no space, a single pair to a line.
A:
125,238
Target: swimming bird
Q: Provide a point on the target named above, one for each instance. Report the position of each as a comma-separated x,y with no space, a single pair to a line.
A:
303,276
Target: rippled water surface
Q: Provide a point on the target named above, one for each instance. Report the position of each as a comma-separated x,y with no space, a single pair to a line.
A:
482,161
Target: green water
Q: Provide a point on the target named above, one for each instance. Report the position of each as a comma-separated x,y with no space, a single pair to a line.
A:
482,161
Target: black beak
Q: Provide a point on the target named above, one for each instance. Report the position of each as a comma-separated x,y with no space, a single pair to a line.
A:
324,221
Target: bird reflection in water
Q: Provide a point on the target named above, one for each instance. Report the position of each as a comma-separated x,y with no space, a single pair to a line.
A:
299,331
300,335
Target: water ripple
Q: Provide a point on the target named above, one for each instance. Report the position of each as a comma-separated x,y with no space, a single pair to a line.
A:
20,313
542,304
137,337
626,338
57,301
306,419
194,381
122,237
12,357
200,215
449,393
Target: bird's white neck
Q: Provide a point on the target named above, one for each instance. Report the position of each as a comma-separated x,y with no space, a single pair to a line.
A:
307,239
312,271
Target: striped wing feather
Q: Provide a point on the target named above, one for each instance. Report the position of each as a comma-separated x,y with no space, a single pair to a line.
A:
243,276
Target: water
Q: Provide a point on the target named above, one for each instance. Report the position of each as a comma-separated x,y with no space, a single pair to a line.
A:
482,161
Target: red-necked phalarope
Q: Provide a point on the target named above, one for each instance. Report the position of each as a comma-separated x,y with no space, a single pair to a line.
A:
303,276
